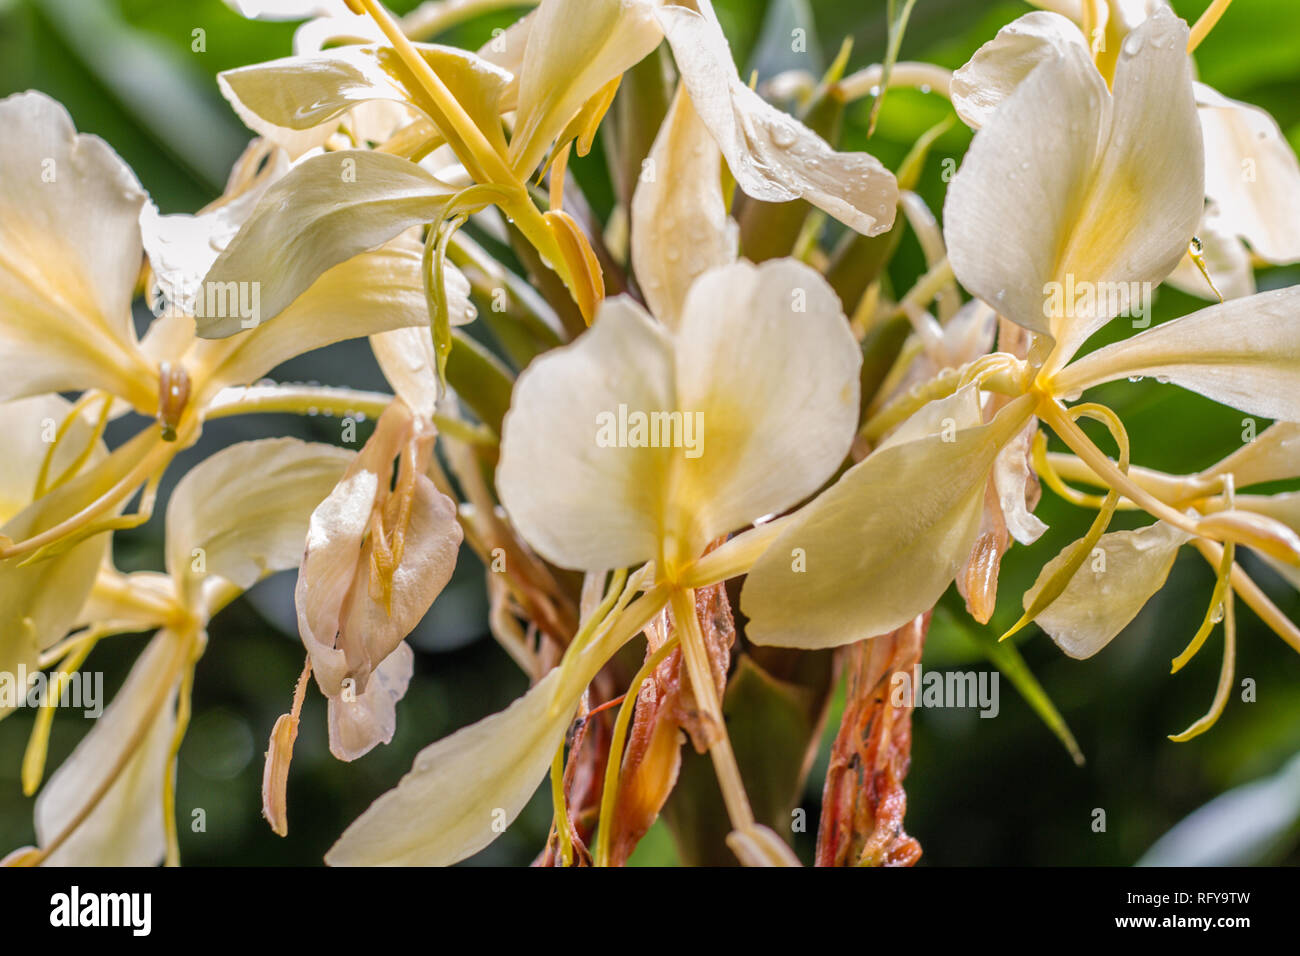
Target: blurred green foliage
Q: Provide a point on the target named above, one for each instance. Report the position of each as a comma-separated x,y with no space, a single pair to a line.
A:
999,791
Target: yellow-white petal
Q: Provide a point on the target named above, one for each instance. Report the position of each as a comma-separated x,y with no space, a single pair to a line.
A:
69,258
1252,174
763,377
41,602
575,47
882,544
299,102
680,226
1273,455
1114,583
243,513
323,212
1244,353
126,827
1003,63
371,293
773,156
462,789
1069,189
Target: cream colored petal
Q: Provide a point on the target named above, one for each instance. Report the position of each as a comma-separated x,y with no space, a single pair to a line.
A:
1069,201
1114,583
1226,259
243,512
680,226
463,789
1252,173
69,258
360,723
773,156
766,360
644,437
325,211
1244,353
882,544
1272,455
126,827
1013,479
182,248
1018,193
943,416
371,293
1146,196
576,496
575,47
1286,509
41,602
408,362
1002,64
28,427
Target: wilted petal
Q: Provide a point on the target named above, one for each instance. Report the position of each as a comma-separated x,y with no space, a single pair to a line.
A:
242,513
126,827
358,723
880,546
463,789
69,211
762,377
1112,585
680,226
575,47
1252,174
773,156
1017,487
325,211
1244,353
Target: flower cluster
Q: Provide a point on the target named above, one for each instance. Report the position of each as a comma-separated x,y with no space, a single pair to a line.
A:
715,407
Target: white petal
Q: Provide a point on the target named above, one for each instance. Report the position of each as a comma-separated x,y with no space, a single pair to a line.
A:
69,231
451,803
325,211
1109,589
882,544
1272,455
371,293
1002,64
1244,353
578,504
1067,190
243,512
763,375
575,47
1252,173
126,827
773,156
680,226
